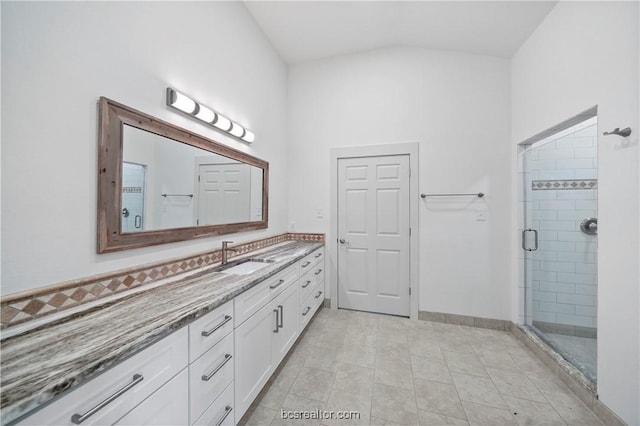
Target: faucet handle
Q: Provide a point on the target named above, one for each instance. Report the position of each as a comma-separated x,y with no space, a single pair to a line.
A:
225,242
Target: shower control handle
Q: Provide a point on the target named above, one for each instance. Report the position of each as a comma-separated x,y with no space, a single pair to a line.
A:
589,226
535,233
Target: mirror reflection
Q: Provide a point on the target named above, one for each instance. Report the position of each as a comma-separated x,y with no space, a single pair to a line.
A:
167,184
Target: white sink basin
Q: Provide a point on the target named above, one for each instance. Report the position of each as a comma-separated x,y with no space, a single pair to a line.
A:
245,268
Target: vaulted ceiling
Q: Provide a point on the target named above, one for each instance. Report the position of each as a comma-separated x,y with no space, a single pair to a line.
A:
310,30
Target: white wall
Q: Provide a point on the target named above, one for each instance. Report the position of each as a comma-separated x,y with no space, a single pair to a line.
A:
457,107
59,58
585,54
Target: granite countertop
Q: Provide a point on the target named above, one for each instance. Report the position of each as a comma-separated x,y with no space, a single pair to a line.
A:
44,363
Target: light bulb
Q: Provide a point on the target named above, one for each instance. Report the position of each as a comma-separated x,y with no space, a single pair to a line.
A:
205,114
182,102
248,136
222,123
236,130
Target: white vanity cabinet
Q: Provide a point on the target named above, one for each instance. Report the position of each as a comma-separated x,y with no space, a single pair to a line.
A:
211,352
273,321
254,362
121,390
311,286
286,308
207,373
265,337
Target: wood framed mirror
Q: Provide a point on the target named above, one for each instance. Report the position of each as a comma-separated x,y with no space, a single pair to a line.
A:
159,183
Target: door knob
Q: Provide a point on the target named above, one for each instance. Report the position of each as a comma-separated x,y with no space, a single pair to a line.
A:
342,241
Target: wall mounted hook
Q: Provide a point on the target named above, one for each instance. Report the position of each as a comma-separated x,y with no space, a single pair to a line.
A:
624,132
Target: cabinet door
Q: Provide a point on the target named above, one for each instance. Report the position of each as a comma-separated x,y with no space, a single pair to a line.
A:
253,363
169,405
287,307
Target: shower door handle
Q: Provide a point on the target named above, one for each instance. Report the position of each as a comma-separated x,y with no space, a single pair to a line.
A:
535,241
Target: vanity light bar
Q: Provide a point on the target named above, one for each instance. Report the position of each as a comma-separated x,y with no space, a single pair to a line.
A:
183,103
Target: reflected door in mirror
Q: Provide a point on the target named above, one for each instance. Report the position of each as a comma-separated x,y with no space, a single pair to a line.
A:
133,180
188,186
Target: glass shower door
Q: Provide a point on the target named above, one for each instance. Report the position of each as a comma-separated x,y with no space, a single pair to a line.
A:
559,241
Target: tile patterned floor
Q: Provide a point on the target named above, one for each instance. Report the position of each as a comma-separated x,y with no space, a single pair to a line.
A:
396,371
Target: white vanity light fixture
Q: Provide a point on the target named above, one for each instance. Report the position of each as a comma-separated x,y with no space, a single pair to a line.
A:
183,103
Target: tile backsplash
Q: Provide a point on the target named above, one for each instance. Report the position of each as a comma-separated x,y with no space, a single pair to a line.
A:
19,308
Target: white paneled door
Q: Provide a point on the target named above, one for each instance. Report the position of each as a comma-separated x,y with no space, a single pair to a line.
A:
373,234
224,194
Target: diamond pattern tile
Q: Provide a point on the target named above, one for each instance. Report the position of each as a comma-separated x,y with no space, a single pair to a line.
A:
538,185
92,288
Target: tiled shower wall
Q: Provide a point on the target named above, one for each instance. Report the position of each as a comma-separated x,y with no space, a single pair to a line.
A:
561,184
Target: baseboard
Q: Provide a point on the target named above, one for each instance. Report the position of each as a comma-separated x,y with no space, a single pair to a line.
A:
493,324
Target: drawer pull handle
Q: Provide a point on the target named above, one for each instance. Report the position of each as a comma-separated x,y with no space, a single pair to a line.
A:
318,295
281,316
226,319
305,264
207,377
276,285
318,271
277,322
227,411
306,284
318,255
79,418
307,311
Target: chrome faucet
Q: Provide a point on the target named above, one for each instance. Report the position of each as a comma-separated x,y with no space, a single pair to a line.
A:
225,251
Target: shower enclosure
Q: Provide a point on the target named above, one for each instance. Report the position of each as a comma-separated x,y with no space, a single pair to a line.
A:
559,242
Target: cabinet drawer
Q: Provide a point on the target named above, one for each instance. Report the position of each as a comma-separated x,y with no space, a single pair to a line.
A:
210,329
317,295
311,304
169,405
278,283
250,302
221,412
132,380
255,298
310,260
210,375
309,280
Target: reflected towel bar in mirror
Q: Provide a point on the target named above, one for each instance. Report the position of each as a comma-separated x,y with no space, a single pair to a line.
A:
177,195
479,195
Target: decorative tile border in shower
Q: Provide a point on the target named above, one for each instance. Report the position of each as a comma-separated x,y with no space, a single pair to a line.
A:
547,185
132,189
22,307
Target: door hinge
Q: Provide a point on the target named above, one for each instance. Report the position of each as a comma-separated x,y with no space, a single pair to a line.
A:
409,171
409,231
198,178
409,291
197,221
